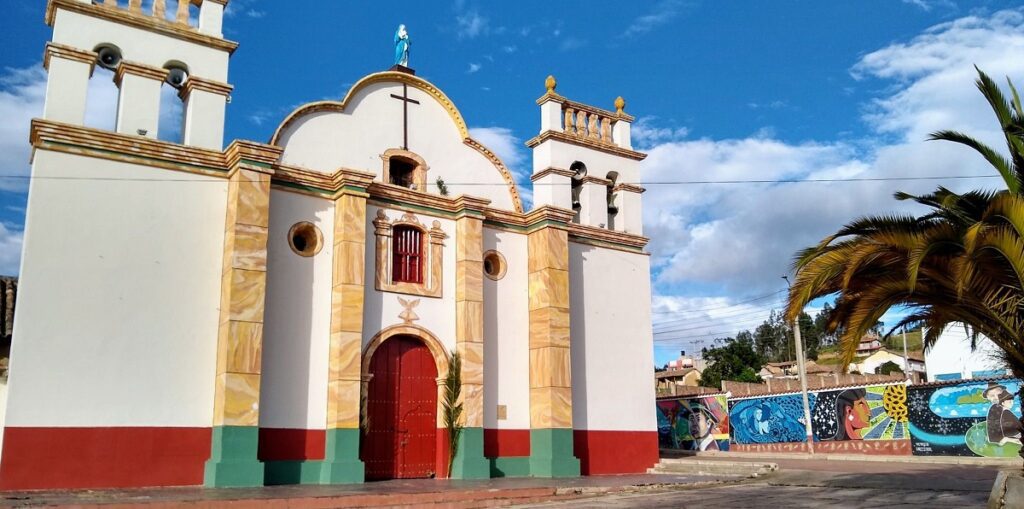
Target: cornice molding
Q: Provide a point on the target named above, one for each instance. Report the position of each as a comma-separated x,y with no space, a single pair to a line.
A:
204,85
589,179
251,155
581,231
68,53
552,171
630,188
329,185
126,17
61,137
137,69
586,142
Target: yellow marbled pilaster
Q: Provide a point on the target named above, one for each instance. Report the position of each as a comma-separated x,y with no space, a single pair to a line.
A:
243,286
469,323
550,380
344,383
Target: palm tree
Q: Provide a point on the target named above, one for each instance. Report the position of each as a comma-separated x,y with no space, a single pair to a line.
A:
962,262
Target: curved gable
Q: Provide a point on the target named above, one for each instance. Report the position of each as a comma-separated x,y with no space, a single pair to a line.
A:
356,131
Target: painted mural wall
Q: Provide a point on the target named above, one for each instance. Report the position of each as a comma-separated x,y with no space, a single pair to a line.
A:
694,424
857,420
966,419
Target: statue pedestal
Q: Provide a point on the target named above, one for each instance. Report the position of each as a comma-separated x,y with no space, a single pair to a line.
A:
402,68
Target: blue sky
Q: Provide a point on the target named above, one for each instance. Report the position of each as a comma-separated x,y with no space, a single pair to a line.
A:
721,90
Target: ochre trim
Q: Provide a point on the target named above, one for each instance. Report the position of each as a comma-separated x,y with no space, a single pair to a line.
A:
587,179
379,77
68,53
419,172
566,103
433,259
586,142
503,264
145,22
606,235
329,185
423,85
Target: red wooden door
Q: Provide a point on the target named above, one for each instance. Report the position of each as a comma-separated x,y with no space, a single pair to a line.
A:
400,440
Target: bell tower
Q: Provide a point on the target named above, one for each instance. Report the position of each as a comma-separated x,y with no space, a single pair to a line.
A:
583,159
180,47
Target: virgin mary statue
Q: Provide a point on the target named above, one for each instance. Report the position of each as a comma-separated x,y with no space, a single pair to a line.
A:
402,43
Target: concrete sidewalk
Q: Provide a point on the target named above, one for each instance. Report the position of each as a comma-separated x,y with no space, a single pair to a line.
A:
397,493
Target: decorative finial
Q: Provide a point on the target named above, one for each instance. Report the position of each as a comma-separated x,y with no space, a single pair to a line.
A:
620,104
550,83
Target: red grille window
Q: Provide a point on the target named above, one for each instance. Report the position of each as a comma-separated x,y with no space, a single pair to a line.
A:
407,255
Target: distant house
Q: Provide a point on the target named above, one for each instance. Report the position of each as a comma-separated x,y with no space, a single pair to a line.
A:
869,345
951,357
669,382
871,363
788,369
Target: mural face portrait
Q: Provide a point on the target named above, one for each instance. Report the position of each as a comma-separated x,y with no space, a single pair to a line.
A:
852,408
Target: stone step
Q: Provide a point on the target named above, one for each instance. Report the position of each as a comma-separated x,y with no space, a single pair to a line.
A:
693,466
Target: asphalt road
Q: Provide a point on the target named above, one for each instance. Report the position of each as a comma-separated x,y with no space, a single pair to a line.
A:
812,483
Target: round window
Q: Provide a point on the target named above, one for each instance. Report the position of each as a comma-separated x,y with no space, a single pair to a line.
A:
494,265
305,239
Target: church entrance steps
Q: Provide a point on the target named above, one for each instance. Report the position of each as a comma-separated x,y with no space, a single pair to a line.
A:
695,466
503,492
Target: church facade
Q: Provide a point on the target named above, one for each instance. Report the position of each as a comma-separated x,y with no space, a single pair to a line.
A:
288,312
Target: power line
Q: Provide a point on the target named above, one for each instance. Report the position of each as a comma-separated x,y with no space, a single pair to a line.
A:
754,299
504,184
754,317
718,318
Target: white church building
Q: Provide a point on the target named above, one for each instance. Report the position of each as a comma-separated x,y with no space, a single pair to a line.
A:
287,312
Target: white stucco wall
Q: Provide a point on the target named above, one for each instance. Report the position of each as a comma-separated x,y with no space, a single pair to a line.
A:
952,354
297,321
381,309
611,340
372,123
507,334
119,296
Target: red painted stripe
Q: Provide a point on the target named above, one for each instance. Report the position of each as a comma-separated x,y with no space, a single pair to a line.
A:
615,452
285,444
37,458
506,442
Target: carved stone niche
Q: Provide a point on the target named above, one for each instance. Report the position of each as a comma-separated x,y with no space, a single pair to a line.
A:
406,169
433,254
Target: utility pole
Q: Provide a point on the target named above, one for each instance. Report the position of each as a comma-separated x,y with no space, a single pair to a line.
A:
798,345
906,358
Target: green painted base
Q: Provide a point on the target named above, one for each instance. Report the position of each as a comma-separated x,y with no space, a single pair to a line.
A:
291,472
233,460
551,453
341,463
470,462
510,466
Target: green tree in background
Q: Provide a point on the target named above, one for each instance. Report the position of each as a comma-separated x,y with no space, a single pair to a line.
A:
735,360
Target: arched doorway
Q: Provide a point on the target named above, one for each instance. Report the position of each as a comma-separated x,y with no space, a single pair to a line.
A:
400,437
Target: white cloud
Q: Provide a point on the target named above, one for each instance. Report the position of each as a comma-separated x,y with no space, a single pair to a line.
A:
473,67
571,43
662,13
470,24
10,250
734,241
645,133
927,5
509,149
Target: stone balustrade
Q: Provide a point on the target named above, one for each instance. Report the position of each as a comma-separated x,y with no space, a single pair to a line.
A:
158,9
588,122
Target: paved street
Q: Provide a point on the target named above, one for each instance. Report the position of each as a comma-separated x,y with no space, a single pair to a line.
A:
815,483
